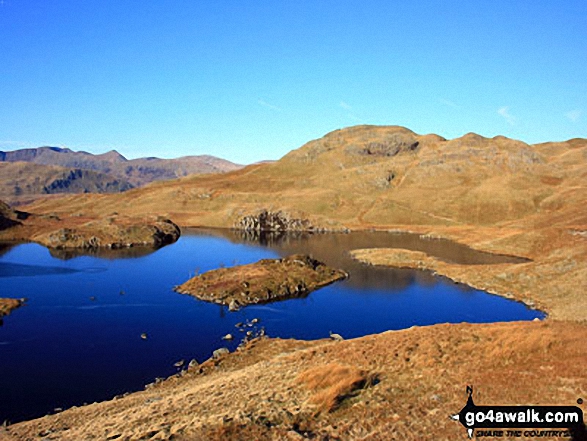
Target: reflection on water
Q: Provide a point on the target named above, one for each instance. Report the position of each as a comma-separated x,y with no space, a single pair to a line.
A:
78,337
335,244
104,253
21,270
334,248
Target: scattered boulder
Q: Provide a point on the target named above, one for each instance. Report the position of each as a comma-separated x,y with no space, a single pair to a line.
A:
233,305
336,337
219,353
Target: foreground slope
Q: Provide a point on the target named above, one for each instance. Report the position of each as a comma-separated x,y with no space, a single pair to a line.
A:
262,393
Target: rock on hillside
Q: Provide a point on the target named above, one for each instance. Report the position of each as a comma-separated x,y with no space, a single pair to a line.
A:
8,217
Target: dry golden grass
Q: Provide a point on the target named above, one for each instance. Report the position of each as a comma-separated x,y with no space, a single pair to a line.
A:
423,371
332,383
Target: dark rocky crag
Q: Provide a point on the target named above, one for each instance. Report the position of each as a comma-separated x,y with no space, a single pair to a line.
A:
8,217
268,221
262,282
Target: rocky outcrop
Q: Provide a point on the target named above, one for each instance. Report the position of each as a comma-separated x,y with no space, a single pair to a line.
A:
112,234
165,233
85,181
273,221
390,145
8,217
265,281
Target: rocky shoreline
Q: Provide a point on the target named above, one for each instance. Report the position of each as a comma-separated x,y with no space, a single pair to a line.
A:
394,385
262,282
115,231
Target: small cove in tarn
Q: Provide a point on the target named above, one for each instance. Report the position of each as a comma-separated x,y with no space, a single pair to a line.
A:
78,338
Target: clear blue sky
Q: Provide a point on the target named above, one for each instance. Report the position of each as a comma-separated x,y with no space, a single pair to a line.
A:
253,79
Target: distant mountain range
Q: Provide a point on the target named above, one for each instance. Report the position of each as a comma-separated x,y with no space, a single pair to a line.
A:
47,170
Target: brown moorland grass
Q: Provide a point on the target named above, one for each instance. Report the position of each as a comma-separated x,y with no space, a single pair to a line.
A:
422,371
332,383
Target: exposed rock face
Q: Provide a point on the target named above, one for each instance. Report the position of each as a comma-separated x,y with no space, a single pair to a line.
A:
8,217
69,183
391,146
166,232
273,221
21,181
262,282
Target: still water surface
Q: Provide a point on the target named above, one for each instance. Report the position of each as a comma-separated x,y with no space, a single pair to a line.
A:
78,338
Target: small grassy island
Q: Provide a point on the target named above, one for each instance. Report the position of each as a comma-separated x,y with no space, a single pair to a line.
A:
265,281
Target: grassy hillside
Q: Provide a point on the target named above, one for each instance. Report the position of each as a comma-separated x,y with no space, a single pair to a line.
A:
369,176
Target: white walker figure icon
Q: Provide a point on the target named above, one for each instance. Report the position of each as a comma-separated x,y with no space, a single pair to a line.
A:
468,407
